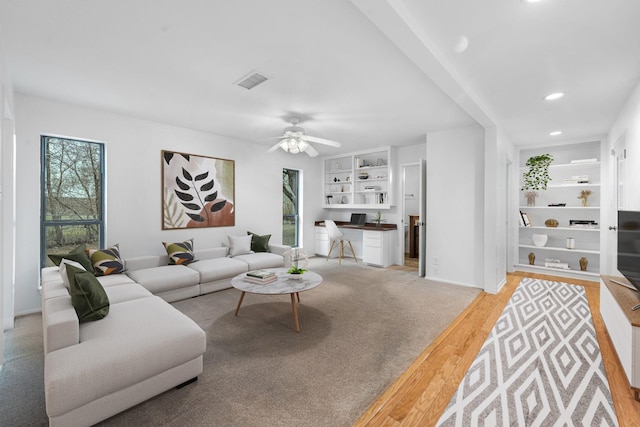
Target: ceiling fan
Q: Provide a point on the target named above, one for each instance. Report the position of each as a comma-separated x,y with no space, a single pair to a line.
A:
294,140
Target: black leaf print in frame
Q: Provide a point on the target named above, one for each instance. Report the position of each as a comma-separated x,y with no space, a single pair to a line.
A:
168,155
194,197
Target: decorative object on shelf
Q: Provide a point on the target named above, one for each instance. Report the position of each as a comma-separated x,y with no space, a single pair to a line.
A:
557,205
551,223
335,179
540,239
582,223
329,199
531,198
345,200
337,166
363,175
583,264
532,258
571,243
380,162
537,177
584,196
378,219
556,263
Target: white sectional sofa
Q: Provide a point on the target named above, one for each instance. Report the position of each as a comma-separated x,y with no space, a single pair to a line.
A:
144,346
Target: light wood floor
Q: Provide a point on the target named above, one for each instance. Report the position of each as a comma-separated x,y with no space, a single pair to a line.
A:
420,395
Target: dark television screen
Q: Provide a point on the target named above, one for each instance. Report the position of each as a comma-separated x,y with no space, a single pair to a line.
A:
629,246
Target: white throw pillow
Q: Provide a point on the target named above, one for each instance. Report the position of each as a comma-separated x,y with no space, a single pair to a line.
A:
63,270
239,245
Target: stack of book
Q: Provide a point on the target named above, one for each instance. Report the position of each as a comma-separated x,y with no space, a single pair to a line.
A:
577,179
556,263
261,277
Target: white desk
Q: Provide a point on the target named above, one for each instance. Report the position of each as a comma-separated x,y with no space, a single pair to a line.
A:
374,246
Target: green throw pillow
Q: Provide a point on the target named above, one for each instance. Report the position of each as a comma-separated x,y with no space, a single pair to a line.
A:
87,295
106,261
79,254
180,253
259,243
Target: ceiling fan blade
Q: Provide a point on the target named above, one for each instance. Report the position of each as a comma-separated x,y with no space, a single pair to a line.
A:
321,141
311,151
274,148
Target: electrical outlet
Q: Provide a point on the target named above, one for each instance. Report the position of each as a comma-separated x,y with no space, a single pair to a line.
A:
435,260
436,270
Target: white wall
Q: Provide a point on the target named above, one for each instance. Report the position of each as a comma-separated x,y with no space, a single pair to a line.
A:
627,124
455,205
499,153
626,127
6,199
134,188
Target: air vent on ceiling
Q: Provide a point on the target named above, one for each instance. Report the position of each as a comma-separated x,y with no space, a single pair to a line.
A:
252,80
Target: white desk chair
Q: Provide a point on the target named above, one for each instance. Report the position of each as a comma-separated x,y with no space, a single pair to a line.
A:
336,236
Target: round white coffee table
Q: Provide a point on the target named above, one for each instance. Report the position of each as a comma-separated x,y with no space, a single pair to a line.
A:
283,285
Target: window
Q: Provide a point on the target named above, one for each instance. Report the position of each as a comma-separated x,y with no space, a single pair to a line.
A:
72,188
291,207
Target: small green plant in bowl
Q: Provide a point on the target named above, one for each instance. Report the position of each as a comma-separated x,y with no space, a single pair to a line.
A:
296,270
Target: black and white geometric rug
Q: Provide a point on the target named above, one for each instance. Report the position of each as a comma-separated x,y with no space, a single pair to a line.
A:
540,366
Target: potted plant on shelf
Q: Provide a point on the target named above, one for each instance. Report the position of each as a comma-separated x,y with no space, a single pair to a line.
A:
537,177
378,219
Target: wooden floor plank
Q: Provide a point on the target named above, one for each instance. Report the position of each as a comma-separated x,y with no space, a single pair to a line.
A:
421,394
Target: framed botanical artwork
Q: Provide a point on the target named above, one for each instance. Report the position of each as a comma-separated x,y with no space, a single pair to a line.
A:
197,191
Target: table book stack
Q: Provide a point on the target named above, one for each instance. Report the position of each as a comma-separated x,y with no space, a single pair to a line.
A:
261,277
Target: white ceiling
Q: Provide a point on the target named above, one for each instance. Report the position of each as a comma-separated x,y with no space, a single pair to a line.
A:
363,72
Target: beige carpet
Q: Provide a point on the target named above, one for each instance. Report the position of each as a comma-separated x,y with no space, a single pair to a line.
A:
360,329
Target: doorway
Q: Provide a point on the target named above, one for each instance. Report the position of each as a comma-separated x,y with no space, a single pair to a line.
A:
413,214
618,201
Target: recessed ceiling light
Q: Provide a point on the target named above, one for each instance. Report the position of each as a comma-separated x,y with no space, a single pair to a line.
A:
530,1
552,96
555,133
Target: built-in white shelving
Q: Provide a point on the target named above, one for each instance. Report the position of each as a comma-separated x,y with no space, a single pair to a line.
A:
362,179
569,164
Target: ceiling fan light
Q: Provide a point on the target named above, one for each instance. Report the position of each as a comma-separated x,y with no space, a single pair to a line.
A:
292,145
302,145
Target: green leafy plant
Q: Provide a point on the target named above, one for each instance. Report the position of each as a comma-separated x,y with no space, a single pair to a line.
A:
378,218
537,177
298,261
296,270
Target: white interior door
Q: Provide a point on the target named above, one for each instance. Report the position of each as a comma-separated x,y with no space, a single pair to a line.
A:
619,172
410,200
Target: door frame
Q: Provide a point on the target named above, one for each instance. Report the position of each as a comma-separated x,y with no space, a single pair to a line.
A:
421,165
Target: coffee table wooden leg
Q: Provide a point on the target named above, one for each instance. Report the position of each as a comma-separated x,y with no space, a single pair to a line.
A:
298,295
240,302
295,312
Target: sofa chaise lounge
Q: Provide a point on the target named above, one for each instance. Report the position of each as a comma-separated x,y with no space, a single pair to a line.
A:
144,346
